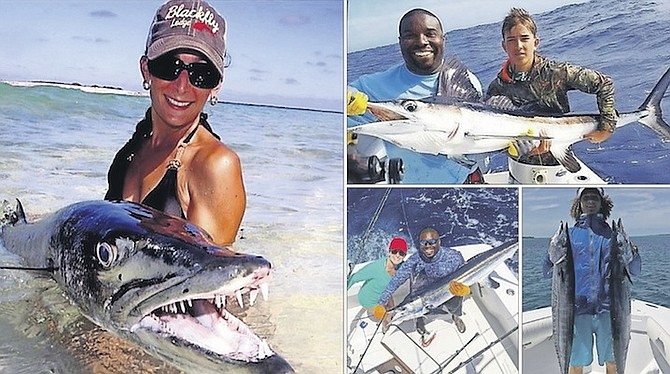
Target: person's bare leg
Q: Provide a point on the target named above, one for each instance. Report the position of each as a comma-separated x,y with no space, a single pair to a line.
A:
610,367
576,370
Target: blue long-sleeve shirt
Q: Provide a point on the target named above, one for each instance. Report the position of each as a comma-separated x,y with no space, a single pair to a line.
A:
444,263
400,83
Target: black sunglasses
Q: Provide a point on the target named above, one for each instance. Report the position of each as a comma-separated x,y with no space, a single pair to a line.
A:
428,242
200,74
398,252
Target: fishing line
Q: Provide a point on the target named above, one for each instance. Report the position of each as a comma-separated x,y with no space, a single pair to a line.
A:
368,230
370,342
404,213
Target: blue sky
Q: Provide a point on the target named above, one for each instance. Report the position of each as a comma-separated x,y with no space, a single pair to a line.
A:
643,210
284,52
454,14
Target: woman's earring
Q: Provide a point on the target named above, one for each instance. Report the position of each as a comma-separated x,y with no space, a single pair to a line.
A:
213,100
146,85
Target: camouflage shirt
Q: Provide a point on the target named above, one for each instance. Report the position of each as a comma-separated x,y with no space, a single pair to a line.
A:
546,86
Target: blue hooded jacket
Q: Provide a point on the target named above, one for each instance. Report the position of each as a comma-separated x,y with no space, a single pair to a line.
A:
590,242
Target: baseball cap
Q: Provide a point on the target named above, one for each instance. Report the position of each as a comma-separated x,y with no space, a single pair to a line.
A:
188,24
399,244
599,190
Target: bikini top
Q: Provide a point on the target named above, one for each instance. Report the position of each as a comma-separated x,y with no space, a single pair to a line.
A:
164,196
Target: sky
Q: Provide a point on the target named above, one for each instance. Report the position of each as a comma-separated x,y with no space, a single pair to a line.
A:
643,210
454,14
283,52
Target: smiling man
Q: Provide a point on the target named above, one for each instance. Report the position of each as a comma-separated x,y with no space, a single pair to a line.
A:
425,73
429,264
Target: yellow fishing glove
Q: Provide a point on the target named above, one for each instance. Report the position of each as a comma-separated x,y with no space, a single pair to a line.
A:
378,311
357,102
514,145
459,289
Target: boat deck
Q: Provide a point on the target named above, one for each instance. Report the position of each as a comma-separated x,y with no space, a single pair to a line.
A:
489,344
648,351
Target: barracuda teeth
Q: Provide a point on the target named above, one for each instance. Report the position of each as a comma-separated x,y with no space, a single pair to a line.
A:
183,306
190,303
253,294
173,308
219,301
238,294
264,290
264,349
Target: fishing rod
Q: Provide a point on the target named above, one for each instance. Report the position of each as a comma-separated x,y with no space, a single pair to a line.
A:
481,351
453,356
369,343
368,230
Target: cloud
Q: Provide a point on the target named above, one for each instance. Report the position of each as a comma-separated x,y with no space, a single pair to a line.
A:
91,40
103,14
294,19
257,71
291,81
318,63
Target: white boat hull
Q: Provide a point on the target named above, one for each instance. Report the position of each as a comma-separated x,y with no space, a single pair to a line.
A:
648,352
491,314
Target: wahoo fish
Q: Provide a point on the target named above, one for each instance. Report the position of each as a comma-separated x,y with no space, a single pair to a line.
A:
455,128
476,269
153,279
621,254
562,295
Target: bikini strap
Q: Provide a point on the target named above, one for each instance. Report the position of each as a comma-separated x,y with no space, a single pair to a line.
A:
175,163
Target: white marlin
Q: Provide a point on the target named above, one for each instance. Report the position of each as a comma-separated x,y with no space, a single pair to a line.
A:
476,269
453,128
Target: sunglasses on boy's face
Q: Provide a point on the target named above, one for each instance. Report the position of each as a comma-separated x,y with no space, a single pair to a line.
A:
200,74
398,252
428,242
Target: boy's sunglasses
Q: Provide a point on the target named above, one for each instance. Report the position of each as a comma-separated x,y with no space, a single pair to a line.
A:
428,242
200,74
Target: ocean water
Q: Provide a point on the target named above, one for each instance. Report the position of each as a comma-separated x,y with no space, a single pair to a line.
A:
56,145
461,216
627,40
651,285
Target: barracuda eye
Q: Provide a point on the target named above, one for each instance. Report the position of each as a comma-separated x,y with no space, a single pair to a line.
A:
106,254
410,105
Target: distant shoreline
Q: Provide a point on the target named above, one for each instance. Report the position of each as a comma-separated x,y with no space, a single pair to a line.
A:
77,86
121,91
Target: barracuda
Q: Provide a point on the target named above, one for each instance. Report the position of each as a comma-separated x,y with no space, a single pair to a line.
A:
150,278
456,128
476,269
562,295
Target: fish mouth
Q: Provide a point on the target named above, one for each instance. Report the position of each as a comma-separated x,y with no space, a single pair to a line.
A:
384,113
203,323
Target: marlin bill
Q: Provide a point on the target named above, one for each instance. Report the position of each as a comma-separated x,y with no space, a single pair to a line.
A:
153,279
456,128
476,269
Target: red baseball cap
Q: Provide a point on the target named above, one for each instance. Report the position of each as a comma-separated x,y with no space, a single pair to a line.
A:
398,244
